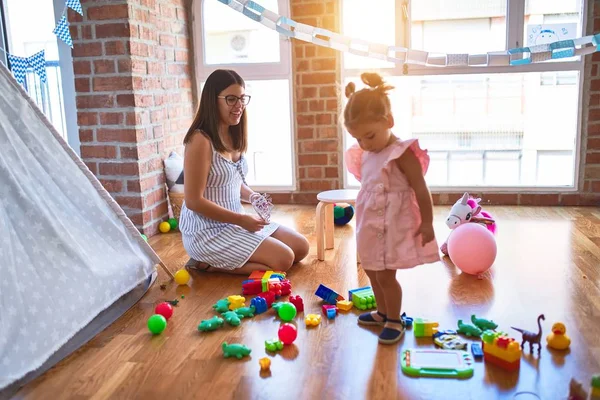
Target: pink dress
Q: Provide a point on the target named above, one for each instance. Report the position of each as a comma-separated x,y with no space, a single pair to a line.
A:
387,212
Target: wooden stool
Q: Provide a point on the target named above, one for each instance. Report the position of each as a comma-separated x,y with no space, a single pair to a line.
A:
325,217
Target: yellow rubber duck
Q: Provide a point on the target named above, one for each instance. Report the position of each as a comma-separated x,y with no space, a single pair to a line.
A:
558,339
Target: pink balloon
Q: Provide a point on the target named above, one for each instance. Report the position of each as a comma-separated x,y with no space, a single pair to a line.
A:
472,248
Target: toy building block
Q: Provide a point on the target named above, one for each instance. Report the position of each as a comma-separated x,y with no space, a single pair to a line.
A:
259,304
265,363
424,328
221,306
331,313
251,287
477,351
236,350
273,345
298,302
328,295
210,324
244,312
275,288
326,307
260,275
363,298
501,350
312,320
236,302
595,387
344,305
286,287
268,296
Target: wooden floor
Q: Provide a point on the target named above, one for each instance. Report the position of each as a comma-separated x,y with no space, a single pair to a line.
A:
548,262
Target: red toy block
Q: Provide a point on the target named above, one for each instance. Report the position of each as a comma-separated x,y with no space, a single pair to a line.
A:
298,302
251,288
509,366
269,297
286,287
326,307
275,288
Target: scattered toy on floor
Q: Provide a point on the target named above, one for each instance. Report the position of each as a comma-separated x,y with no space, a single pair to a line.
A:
144,237
344,305
210,324
265,363
312,320
156,324
297,302
285,310
342,214
163,286
173,302
221,306
325,309
182,277
424,328
532,337
164,227
408,321
501,350
273,345
328,295
468,329
437,363
232,318
483,324
164,309
173,223
287,333
245,312
259,304
236,350
363,298
558,339
449,342
183,296
236,302
595,387
576,391
477,351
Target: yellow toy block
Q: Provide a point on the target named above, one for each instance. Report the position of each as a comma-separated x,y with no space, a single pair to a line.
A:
312,319
236,302
344,305
501,346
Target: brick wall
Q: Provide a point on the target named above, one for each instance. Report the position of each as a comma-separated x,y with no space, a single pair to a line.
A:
134,97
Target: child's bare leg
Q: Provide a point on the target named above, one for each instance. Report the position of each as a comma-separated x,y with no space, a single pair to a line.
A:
375,317
394,328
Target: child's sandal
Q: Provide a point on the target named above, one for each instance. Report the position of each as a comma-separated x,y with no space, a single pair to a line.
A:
367,319
392,335
195,265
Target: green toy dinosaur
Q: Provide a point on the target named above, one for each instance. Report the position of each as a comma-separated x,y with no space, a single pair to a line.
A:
236,350
232,318
245,312
469,330
210,324
273,345
482,323
221,306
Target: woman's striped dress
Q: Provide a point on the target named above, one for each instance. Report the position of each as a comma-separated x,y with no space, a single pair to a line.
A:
221,245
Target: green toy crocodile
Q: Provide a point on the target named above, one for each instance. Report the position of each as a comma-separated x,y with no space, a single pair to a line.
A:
245,312
482,323
467,329
232,318
210,324
236,350
221,306
273,345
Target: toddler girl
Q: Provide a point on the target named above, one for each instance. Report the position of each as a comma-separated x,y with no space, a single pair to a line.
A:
394,208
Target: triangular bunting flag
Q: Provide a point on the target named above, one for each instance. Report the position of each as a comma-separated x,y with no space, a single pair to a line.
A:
75,5
18,66
62,31
38,63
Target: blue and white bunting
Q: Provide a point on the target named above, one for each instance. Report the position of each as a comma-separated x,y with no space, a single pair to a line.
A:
38,63
62,31
18,66
75,5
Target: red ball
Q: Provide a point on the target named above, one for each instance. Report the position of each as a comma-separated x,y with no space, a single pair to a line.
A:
164,309
287,333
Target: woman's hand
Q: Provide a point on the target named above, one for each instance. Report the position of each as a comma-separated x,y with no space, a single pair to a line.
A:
252,223
426,232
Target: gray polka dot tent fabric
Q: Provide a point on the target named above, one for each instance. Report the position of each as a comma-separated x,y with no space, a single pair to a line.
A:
67,250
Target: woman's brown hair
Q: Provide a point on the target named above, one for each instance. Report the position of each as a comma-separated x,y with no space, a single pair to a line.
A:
207,117
369,104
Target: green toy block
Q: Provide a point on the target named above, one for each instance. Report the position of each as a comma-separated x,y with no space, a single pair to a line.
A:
596,381
364,299
236,350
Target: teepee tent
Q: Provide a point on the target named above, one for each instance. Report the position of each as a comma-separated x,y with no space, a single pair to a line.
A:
68,252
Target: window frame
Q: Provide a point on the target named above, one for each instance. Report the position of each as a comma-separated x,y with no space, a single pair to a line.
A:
515,20
250,71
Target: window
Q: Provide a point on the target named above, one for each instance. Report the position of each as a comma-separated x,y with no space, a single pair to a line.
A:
494,127
224,38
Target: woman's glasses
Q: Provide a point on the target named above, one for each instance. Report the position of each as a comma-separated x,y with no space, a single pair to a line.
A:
232,100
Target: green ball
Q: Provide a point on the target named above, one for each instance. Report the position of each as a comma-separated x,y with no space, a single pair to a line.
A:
338,212
287,311
145,237
173,223
156,324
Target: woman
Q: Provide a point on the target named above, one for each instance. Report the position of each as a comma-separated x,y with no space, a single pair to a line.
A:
217,234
